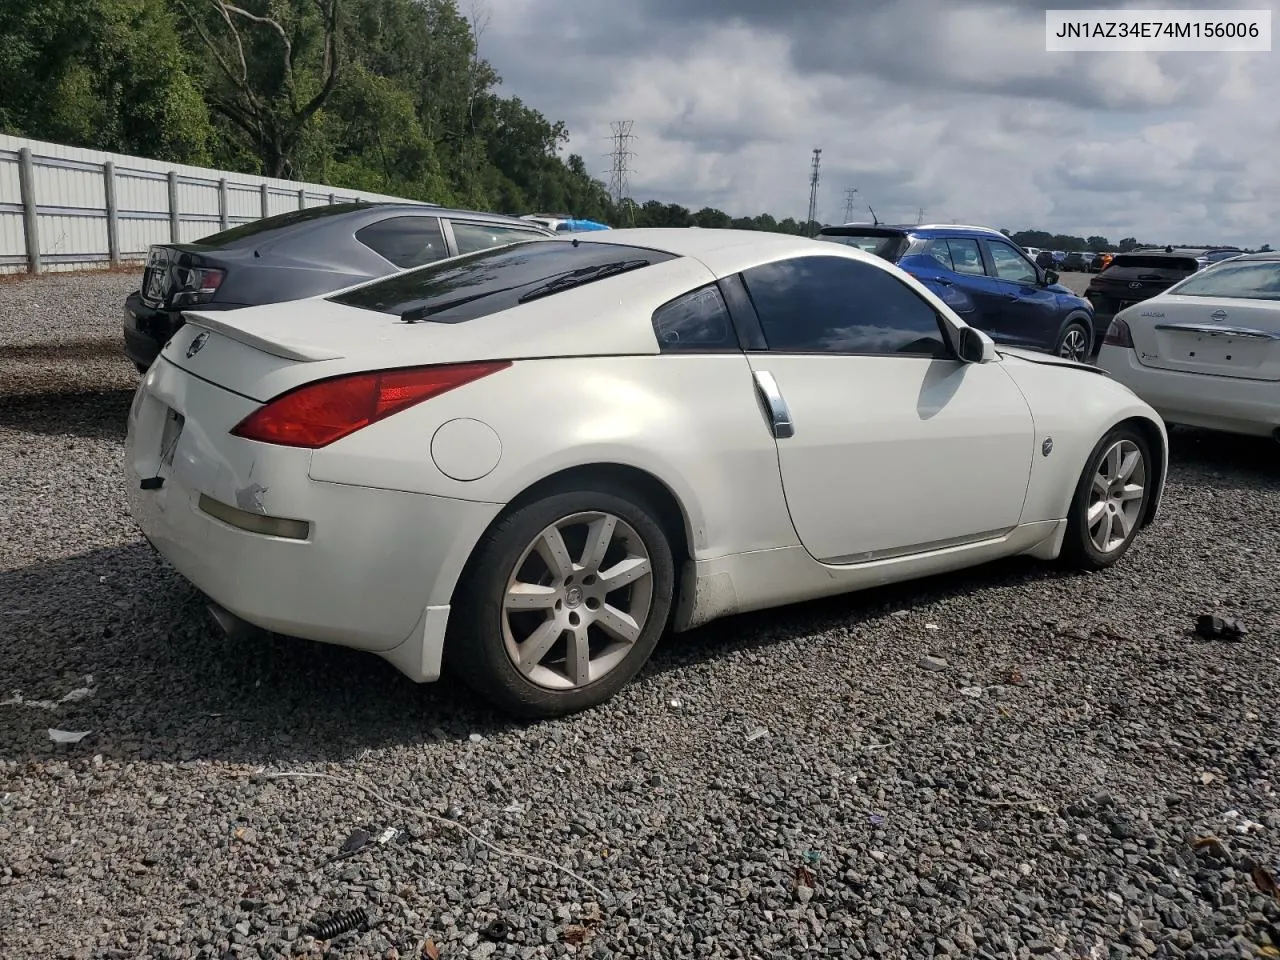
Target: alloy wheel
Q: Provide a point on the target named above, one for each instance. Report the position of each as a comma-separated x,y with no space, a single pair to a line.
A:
1117,496
1074,345
577,600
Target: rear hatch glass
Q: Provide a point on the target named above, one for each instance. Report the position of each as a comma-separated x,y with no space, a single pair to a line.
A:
497,279
887,244
1133,277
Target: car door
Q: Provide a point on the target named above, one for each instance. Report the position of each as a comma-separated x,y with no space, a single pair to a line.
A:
894,446
471,235
969,273
1028,311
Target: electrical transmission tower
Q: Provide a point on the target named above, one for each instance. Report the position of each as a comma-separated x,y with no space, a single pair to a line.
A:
849,195
813,190
620,157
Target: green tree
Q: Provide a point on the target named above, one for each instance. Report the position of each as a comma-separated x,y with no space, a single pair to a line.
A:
105,74
270,68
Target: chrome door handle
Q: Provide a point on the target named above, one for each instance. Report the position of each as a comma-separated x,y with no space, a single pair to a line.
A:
779,412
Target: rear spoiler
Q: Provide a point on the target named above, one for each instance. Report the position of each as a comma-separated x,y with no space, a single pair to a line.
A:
870,230
296,351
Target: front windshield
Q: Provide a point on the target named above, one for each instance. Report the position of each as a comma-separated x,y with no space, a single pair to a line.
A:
1249,280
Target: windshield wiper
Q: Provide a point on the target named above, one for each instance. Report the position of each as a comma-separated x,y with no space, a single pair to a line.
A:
576,278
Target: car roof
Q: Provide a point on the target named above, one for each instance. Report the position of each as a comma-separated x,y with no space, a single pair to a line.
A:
1269,255
684,242
723,251
925,231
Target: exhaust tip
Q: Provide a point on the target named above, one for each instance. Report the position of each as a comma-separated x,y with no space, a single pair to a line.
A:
231,625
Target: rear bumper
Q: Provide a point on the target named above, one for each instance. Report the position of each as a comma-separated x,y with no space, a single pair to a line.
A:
1229,404
147,330
376,569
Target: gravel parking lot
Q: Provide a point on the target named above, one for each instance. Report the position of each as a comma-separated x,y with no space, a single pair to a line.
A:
1082,778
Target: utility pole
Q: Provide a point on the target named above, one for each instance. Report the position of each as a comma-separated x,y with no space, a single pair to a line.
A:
813,190
849,194
620,160
920,216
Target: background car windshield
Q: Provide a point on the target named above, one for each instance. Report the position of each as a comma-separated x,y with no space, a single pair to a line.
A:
493,280
1245,281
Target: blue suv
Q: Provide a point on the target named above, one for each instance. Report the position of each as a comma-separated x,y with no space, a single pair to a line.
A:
985,278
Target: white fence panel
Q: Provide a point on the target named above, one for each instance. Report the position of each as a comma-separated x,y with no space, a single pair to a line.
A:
55,212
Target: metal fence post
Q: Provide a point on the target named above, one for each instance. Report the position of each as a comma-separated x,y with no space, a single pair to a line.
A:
302,199
113,217
266,201
175,224
224,220
30,222
332,199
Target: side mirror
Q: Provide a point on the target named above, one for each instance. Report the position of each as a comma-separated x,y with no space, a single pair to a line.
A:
1050,277
976,346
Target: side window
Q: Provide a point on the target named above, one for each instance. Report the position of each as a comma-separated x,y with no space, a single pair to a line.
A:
405,241
481,236
697,321
966,256
836,305
939,250
1010,264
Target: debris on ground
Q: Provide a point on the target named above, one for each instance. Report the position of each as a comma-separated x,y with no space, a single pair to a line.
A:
974,692
933,664
758,733
340,923
429,950
68,736
1241,824
355,842
497,930
1265,881
1212,627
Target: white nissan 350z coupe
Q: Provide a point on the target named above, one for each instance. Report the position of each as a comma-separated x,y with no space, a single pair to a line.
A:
527,463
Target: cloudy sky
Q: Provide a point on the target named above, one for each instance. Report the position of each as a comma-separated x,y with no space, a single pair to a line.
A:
949,105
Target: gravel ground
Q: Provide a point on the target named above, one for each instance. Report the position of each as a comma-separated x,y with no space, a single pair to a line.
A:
796,783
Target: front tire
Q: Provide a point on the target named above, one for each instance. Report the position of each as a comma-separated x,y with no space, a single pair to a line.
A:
1110,501
1073,343
563,602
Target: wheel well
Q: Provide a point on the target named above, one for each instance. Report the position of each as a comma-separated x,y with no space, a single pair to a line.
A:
1151,433
655,493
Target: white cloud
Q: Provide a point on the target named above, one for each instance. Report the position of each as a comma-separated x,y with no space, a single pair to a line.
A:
947,105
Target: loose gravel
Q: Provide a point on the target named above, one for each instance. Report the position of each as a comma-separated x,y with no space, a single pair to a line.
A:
1009,763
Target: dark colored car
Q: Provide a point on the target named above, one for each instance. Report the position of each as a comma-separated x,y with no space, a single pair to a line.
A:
1077,261
1134,277
300,254
986,279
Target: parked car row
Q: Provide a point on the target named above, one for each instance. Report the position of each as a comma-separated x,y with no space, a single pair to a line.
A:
521,466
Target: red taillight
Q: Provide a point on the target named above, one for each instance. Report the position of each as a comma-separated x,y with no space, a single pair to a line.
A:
319,413
1118,334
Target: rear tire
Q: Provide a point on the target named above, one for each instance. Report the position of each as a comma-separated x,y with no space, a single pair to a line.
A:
1110,501
562,602
1074,343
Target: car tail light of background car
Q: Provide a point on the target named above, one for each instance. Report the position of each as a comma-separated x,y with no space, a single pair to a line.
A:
317,414
197,284
1118,334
